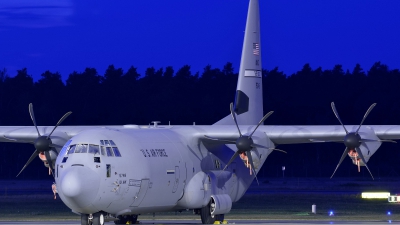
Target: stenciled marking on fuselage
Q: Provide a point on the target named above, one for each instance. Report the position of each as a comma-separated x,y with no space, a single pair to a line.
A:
133,182
154,152
121,181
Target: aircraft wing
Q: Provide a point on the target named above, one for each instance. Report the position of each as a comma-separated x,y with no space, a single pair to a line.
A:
302,133
311,134
28,134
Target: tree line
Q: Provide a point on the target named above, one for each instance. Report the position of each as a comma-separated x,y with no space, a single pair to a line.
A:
181,97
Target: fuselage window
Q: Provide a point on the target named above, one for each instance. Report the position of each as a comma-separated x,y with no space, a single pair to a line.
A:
106,142
112,143
71,149
103,150
109,151
116,152
81,148
108,170
94,149
101,142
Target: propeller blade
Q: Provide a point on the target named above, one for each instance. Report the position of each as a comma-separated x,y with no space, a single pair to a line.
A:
261,146
248,153
279,150
365,116
234,118
33,118
48,158
231,160
35,153
370,140
261,121
255,176
221,140
346,151
358,150
59,122
337,116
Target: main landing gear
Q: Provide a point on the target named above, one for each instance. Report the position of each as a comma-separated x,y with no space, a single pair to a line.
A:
207,218
128,219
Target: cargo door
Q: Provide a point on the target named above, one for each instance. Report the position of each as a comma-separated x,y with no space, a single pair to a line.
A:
144,186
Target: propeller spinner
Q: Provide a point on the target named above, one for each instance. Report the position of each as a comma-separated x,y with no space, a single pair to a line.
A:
43,144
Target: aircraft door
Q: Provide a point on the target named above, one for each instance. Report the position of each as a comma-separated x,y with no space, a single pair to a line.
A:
144,186
177,176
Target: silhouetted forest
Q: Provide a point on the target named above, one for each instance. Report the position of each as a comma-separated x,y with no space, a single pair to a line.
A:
120,97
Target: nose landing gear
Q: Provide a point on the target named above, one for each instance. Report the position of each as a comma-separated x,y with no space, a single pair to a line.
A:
92,219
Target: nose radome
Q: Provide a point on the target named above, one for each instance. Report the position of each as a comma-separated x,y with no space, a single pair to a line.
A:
79,186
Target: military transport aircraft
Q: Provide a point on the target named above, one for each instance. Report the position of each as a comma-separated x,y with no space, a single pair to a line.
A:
118,172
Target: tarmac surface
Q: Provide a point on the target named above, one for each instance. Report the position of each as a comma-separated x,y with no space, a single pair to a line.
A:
191,222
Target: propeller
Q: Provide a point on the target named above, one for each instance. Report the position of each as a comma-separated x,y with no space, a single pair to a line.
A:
353,140
244,143
43,144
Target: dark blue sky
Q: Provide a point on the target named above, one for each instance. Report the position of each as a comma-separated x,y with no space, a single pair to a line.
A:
68,35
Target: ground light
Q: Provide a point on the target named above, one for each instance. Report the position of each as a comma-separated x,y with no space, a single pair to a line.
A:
375,195
331,213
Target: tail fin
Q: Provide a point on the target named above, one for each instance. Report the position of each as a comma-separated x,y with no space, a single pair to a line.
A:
248,103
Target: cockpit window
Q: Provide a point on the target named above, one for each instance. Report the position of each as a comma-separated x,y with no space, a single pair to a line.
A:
103,150
94,149
71,149
116,152
109,151
106,150
81,148
65,147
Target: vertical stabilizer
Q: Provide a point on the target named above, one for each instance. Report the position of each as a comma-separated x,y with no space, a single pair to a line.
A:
248,103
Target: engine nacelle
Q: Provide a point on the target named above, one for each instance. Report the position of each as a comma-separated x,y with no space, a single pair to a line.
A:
220,204
197,192
367,148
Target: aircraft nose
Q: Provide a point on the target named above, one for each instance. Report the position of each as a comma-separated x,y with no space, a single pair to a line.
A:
79,186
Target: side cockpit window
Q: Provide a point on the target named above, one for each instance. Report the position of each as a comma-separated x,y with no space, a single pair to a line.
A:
109,148
109,151
65,148
116,152
71,149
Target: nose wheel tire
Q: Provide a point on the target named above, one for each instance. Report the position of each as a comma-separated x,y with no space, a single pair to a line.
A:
98,219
